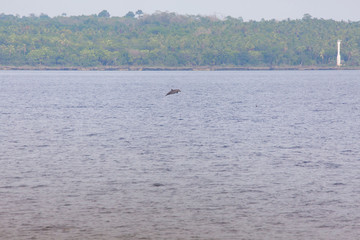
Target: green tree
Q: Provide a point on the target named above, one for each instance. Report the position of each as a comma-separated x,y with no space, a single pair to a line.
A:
139,13
104,14
130,14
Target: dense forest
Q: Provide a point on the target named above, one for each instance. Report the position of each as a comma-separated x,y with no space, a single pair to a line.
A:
170,40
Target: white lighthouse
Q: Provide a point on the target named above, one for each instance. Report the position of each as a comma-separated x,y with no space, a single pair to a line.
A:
338,62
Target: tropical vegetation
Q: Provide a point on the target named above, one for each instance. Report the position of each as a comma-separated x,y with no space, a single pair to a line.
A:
173,40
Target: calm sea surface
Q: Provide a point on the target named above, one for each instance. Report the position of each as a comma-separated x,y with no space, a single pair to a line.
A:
235,155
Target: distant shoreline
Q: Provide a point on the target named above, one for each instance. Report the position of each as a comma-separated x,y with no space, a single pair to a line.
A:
148,68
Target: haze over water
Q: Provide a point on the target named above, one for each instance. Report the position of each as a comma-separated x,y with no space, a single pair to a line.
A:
234,155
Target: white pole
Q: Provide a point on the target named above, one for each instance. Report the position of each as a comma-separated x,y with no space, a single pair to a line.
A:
338,62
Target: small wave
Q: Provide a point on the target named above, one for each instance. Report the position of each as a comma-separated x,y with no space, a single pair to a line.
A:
307,164
42,146
54,228
321,110
347,150
80,106
92,134
290,147
158,185
40,186
332,165
339,184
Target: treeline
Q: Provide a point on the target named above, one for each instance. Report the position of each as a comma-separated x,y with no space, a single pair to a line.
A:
169,39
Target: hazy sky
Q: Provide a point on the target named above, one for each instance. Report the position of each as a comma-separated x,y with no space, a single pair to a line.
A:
248,9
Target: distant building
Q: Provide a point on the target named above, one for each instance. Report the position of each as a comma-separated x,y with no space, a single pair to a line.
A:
338,62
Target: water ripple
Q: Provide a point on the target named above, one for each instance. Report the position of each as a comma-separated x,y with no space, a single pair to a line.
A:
235,155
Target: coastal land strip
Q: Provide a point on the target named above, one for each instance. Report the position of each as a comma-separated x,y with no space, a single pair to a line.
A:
161,68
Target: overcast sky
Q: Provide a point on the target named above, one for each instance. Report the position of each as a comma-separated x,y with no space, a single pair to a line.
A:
247,9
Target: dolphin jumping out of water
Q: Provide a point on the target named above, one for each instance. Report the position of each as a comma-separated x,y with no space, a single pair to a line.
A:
173,91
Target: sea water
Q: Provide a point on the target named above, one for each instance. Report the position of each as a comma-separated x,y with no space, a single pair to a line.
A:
234,155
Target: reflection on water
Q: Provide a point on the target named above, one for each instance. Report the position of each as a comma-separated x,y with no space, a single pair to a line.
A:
234,155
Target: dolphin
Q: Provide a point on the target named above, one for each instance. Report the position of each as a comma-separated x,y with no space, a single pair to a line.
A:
173,91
